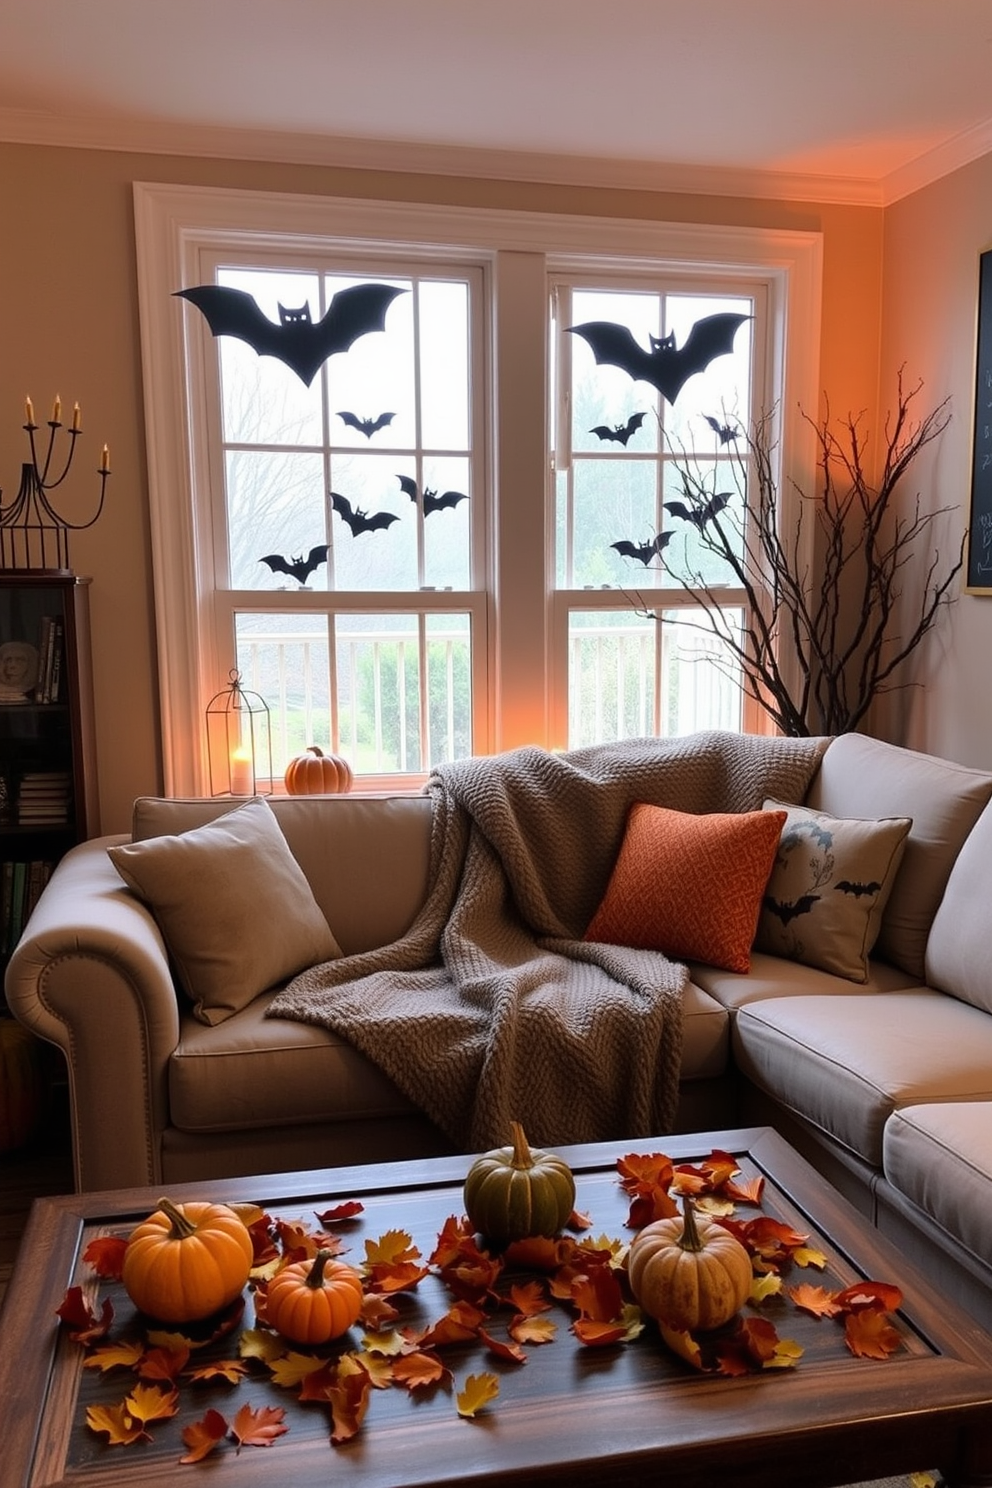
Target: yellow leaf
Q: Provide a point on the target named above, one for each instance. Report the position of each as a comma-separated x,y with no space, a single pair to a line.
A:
632,1316
231,1370
786,1356
478,1390
116,1421
683,1344
804,1255
716,1208
379,1370
148,1403
525,1329
922,1480
393,1248
114,1355
256,1343
291,1368
763,1287
388,1345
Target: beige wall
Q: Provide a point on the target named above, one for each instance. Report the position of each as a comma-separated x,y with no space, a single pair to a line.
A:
932,243
69,325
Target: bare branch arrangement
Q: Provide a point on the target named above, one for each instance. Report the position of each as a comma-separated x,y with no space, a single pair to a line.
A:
816,648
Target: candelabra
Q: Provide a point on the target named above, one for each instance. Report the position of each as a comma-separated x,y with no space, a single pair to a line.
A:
33,534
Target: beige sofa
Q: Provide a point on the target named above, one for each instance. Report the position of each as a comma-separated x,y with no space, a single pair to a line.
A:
885,1084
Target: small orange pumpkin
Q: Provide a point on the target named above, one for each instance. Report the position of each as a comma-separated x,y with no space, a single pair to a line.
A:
187,1261
315,773
689,1273
311,1302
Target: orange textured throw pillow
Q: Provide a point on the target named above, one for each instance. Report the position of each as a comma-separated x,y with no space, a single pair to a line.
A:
690,886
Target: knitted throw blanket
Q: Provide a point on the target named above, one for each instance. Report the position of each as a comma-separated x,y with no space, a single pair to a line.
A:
492,1008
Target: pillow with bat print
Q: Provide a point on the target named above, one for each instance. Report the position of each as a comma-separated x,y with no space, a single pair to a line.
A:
828,888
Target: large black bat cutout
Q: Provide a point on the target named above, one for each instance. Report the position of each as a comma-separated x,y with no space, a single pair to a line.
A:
644,551
666,366
366,426
359,521
620,433
303,346
724,432
298,568
432,501
699,515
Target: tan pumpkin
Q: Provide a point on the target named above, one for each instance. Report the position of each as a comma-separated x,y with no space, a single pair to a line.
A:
512,1193
311,1302
315,773
187,1261
689,1273
22,1084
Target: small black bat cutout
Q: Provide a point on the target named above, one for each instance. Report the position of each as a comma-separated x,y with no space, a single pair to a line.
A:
367,426
724,432
295,340
644,551
665,366
848,886
298,568
432,501
620,433
699,515
787,910
359,521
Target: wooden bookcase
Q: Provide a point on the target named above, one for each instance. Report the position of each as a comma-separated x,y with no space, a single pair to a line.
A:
48,781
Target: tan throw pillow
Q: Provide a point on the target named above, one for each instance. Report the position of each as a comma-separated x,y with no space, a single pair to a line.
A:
829,886
234,907
687,885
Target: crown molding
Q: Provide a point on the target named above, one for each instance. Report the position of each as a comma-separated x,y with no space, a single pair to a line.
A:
29,127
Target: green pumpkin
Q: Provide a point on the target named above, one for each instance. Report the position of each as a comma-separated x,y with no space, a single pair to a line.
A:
512,1193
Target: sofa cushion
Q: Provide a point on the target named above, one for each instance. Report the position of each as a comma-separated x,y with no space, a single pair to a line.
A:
830,884
939,1157
771,976
865,777
233,905
957,959
689,885
256,1071
846,1062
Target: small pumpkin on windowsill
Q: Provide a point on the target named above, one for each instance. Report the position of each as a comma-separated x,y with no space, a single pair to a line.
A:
689,1273
315,773
513,1193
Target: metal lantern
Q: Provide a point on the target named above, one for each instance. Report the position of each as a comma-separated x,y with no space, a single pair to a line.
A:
239,742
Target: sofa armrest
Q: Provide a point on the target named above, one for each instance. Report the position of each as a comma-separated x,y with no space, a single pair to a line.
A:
91,975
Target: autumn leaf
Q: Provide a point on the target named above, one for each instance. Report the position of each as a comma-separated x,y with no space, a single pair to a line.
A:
596,1334
391,1263
528,1298
121,1428
416,1371
450,1239
317,1386
529,1329
786,1356
460,1323
814,1299
258,1428
763,1287
257,1343
869,1334
219,1325
203,1436
882,1296
647,1178
163,1364
106,1256
713,1206
745,1191
122,1355
758,1337
503,1349
683,1344
805,1255
232,1371
376,1311
297,1242
597,1296
349,1400
148,1403
338,1213
388,1345
82,1322
578,1221
537,1253
378,1369
477,1392
291,1368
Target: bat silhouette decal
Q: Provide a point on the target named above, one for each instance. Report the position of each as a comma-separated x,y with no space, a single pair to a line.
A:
665,366
298,568
724,432
295,340
620,433
699,515
848,886
359,521
432,501
644,551
786,910
367,426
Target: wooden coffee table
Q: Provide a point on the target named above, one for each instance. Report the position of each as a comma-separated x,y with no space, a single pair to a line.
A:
629,1413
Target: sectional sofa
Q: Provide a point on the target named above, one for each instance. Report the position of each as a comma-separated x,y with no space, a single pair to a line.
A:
867,1039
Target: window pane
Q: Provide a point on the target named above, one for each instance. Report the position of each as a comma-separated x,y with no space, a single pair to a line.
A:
275,507
449,688
284,659
724,388
614,500
447,551
701,680
444,365
695,552
611,676
262,400
603,394
372,557
376,374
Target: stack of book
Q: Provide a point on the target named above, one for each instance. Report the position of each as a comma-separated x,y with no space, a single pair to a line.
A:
20,886
43,798
49,660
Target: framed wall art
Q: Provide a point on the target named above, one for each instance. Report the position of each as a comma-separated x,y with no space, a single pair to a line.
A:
979,575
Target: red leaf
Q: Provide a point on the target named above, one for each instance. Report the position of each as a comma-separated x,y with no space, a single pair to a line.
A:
503,1349
595,1334
869,1334
598,1295
82,1322
340,1212
258,1428
880,1296
106,1256
204,1436
349,1400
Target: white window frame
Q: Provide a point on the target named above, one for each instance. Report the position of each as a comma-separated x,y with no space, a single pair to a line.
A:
524,672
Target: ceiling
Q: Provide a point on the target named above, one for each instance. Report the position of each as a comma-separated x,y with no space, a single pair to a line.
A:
865,97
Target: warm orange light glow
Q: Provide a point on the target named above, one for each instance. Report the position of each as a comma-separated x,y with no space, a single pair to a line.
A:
241,772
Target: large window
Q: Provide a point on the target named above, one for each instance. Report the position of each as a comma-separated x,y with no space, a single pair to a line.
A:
410,552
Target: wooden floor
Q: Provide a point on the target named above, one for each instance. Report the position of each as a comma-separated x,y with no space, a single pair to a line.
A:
42,1168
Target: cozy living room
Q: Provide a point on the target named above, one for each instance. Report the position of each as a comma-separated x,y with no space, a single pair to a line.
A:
495,780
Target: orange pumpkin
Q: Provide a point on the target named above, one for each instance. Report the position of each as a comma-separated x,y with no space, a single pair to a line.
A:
187,1261
311,1302
315,773
689,1273
22,1085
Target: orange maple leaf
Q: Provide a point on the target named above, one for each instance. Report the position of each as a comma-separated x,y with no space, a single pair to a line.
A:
376,1311
163,1364
460,1323
106,1256
578,1221
746,1191
524,1329
597,1295
391,1263
203,1436
539,1254
349,1400
880,1296
450,1240
122,1354
116,1420
502,1348
642,1171
338,1213
528,1298
231,1370
258,1428
597,1334
297,1242
148,1403
415,1371
814,1299
477,1391
869,1334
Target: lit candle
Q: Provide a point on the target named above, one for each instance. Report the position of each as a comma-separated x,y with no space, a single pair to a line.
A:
29,410
105,460
75,418
241,772
56,409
